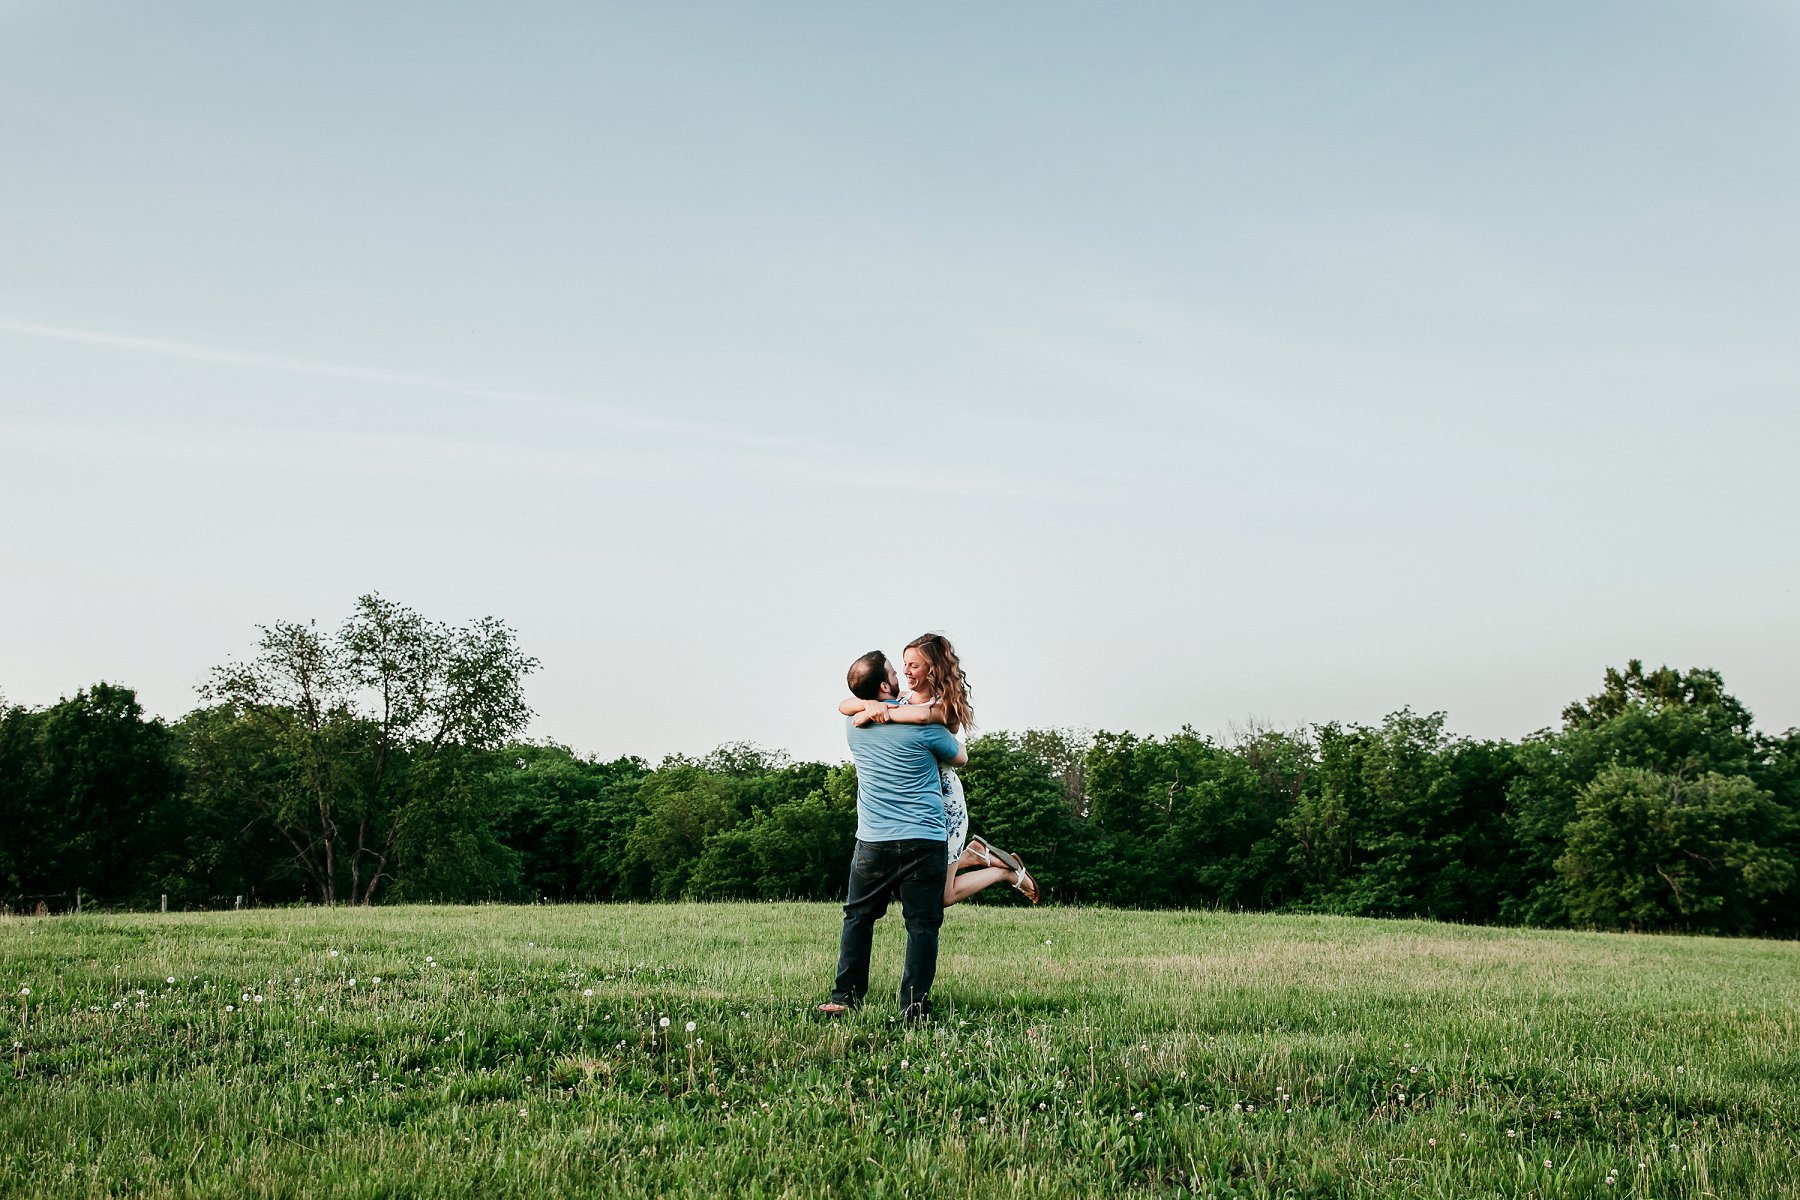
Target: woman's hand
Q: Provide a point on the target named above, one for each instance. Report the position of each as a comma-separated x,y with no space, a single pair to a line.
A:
873,713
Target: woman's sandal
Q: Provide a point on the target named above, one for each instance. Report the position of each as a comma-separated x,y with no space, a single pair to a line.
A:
992,855
1025,883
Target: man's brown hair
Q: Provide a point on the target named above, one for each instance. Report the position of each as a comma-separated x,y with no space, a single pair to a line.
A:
867,674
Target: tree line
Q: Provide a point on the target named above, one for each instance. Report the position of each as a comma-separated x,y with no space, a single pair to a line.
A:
383,760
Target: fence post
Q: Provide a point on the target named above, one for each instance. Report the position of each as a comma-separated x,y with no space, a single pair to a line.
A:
238,903
78,901
165,902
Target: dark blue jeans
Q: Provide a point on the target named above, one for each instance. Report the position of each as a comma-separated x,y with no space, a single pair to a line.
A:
915,871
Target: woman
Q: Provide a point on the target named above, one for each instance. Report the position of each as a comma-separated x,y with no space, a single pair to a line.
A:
938,694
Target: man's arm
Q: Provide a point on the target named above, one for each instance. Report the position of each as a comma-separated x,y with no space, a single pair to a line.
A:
949,751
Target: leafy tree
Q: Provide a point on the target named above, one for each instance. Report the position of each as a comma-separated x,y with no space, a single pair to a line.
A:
802,847
1065,753
1223,846
85,789
227,847
446,846
1015,801
683,806
1653,851
1667,721
797,849
1118,796
552,804
346,709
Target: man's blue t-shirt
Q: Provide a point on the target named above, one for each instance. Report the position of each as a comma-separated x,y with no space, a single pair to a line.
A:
899,795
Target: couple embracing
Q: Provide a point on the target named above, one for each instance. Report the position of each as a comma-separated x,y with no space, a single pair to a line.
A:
912,826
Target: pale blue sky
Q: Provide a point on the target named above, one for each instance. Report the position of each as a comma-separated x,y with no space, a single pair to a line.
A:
1185,363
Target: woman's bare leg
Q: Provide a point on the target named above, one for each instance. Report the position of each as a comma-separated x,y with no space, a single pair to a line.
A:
961,887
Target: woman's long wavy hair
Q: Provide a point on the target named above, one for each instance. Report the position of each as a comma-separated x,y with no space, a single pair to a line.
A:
944,675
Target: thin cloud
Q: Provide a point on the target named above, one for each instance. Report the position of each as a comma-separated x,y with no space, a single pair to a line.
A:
194,352
693,449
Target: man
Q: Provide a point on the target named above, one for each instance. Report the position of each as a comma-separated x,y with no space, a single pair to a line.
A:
901,843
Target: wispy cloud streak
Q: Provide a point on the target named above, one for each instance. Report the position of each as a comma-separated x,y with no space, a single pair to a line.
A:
681,448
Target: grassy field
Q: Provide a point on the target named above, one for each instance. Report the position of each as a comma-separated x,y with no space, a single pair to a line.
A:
523,1051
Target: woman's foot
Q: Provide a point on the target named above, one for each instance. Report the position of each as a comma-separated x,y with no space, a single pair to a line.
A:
1025,883
991,855
831,1010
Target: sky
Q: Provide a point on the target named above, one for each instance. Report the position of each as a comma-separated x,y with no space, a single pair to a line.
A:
1187,364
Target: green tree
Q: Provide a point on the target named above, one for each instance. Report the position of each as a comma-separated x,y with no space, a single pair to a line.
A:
1681,723
1653,851
683,806
1016,802
227,846
350,711
554,805
86,786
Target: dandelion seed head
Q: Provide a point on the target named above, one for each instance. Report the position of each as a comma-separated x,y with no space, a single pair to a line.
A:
690,1027
664,1022
333,953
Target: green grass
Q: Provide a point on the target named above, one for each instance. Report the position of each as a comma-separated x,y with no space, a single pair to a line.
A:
1267,1056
